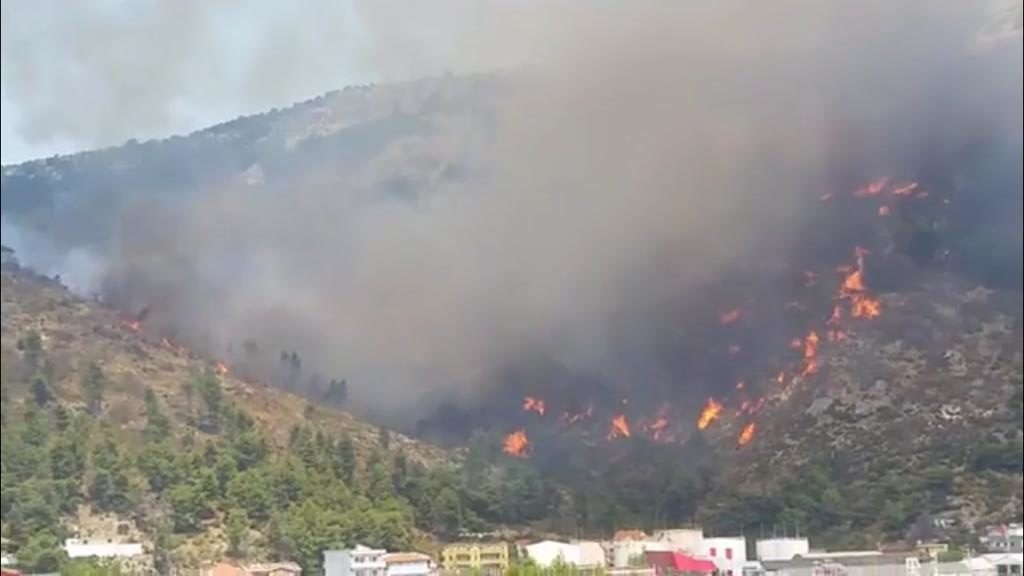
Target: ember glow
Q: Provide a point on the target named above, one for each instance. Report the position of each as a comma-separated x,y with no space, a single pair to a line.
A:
657,429
747,434
708,415
729,316
619,428
517,444
531,404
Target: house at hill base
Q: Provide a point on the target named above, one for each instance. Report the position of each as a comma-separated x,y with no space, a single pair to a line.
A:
490,558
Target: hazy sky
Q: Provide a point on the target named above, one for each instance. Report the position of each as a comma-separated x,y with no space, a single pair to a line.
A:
97,72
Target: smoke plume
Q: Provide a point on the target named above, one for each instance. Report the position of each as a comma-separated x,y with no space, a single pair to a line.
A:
642,151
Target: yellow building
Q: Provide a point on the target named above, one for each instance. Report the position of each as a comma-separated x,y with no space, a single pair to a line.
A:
488,558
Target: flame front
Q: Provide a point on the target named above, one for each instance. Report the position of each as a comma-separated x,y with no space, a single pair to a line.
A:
620,428
810,354
517,444
708,415
133,325
531,404
904,189
747,434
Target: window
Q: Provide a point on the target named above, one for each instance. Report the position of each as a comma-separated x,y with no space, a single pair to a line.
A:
728,553
714,553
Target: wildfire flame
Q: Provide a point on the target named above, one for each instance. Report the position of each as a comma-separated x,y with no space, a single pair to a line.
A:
873,188
619,428
657,428
708,415
780,378
517,444
904,189
729,316
221,369
853,289
531,404
747,434
810,354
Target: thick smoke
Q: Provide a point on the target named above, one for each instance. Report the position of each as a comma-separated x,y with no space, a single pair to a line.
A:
98,72
643,151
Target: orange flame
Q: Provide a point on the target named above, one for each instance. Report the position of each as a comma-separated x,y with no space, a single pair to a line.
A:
620,428
853,289
781,378
904,189
747,434
517,444
810,354
708,415
531,404
221,369
872,189
657,428
729,316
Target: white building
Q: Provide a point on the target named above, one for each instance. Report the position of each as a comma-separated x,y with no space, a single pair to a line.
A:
774,549
1006,564
590,555
688,540
729,554
548,552
359,561
629,546
407,564
83,548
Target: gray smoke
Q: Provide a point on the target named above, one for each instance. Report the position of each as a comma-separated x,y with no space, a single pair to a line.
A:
644,149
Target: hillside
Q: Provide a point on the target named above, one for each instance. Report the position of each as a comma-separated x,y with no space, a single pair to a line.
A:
914,415
124,437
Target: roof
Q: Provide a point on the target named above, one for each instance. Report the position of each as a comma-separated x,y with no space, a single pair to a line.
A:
271,566
630,535
678,561
1004,558
404,557
844,560
590,553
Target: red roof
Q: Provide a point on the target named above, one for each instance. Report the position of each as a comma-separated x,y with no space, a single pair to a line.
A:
678,562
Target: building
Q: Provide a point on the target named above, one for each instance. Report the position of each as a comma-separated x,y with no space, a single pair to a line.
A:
776,549
674,563
487,557
82,548
272,569
1006,564
688,540
255,569
359,561
866,563
590,555
407,564
729,554
548,552
1004,538
627,548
